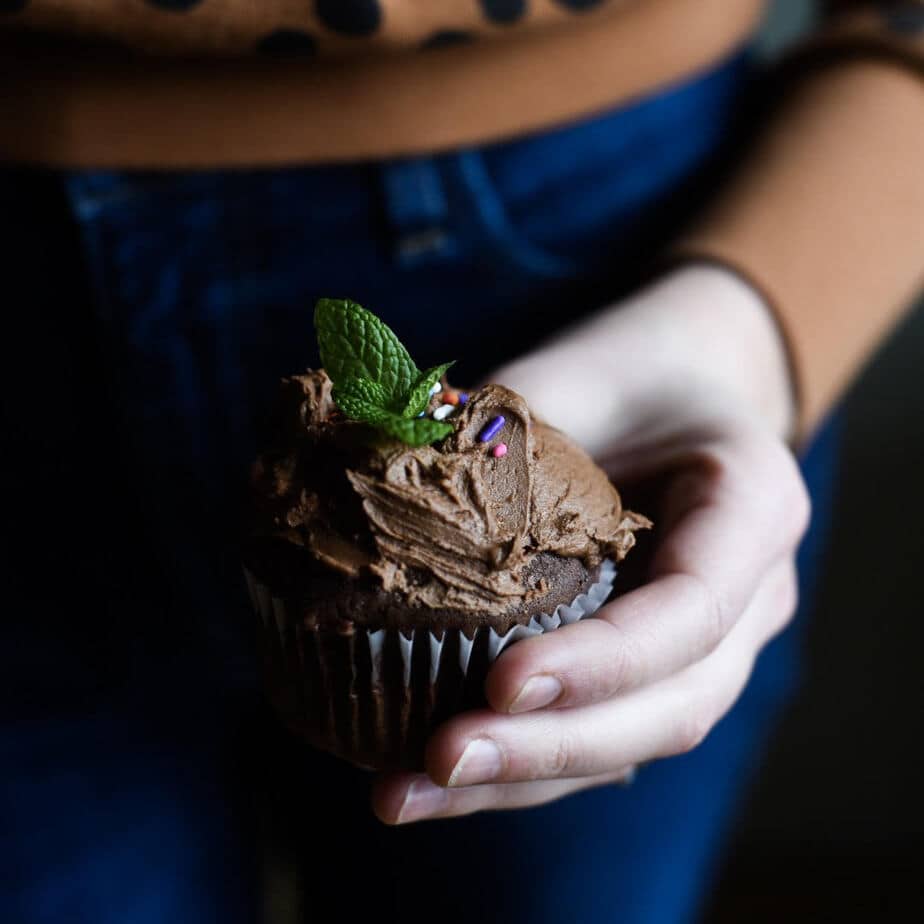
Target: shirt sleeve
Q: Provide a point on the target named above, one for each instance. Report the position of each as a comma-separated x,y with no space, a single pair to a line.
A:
826,214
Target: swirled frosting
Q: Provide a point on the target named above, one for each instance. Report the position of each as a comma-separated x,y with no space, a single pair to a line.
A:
447,525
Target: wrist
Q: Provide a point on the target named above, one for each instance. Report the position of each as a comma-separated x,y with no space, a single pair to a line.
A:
721,333
697,341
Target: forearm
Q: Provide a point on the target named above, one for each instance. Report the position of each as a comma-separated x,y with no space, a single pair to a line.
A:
827,219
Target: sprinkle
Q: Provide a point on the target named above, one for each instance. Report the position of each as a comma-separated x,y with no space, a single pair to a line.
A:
451,397
499,451
435,389
490,430
463,397
443,411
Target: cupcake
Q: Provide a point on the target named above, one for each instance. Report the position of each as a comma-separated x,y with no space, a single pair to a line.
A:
403,533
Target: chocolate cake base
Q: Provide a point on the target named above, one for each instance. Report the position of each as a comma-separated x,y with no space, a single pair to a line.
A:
365,677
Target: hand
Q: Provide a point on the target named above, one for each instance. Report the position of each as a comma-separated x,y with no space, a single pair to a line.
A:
685,382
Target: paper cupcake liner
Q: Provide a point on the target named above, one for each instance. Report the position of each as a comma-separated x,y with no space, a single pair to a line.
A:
373,697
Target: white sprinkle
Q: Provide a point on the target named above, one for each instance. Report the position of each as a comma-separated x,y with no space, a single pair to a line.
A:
436,389
443,411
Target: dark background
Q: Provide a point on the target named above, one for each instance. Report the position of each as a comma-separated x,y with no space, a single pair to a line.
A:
834,829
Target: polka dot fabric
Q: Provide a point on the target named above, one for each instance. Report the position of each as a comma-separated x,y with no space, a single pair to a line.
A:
504,11
288,29
350,17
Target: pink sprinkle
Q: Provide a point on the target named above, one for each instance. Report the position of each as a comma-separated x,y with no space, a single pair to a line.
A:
499,451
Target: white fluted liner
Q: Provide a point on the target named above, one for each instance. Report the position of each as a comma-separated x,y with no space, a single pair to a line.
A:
272,611
322,673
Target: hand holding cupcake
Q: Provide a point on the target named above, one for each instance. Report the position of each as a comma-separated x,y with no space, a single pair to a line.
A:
682,387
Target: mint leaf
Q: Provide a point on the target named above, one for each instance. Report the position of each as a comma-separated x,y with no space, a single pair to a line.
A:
415,431
375,381
362,399
355,344
357,399
418,397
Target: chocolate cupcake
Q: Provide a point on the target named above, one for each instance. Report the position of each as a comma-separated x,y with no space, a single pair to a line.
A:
404,533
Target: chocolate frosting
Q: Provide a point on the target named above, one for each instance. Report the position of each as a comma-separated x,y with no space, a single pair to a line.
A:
445,525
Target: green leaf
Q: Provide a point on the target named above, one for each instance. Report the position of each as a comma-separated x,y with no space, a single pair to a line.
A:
357,399
375,381
415,431
355,344
419,395
362,399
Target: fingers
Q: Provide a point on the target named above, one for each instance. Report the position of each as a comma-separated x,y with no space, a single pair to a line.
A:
775,604
403,798
726,527
668,718
638,639
740,505
407,797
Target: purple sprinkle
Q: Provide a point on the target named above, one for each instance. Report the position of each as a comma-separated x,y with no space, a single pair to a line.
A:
463,397
490,430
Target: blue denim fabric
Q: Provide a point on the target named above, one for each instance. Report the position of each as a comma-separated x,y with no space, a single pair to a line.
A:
139,805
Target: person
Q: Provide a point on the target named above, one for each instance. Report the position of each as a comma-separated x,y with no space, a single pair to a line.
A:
678,258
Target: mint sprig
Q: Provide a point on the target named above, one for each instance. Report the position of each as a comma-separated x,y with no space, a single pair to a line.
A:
419,395
375,380
361,399
416,431
354,343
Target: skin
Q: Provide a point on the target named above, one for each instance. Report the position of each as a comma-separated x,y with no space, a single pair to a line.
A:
684,385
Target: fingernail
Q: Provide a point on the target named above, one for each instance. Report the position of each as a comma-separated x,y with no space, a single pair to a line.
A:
537,692
422,800
480,762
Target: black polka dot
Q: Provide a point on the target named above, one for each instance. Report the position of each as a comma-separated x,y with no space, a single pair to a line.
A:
503,11
579,5
288,43
447,38
176,6
350,17
12,6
